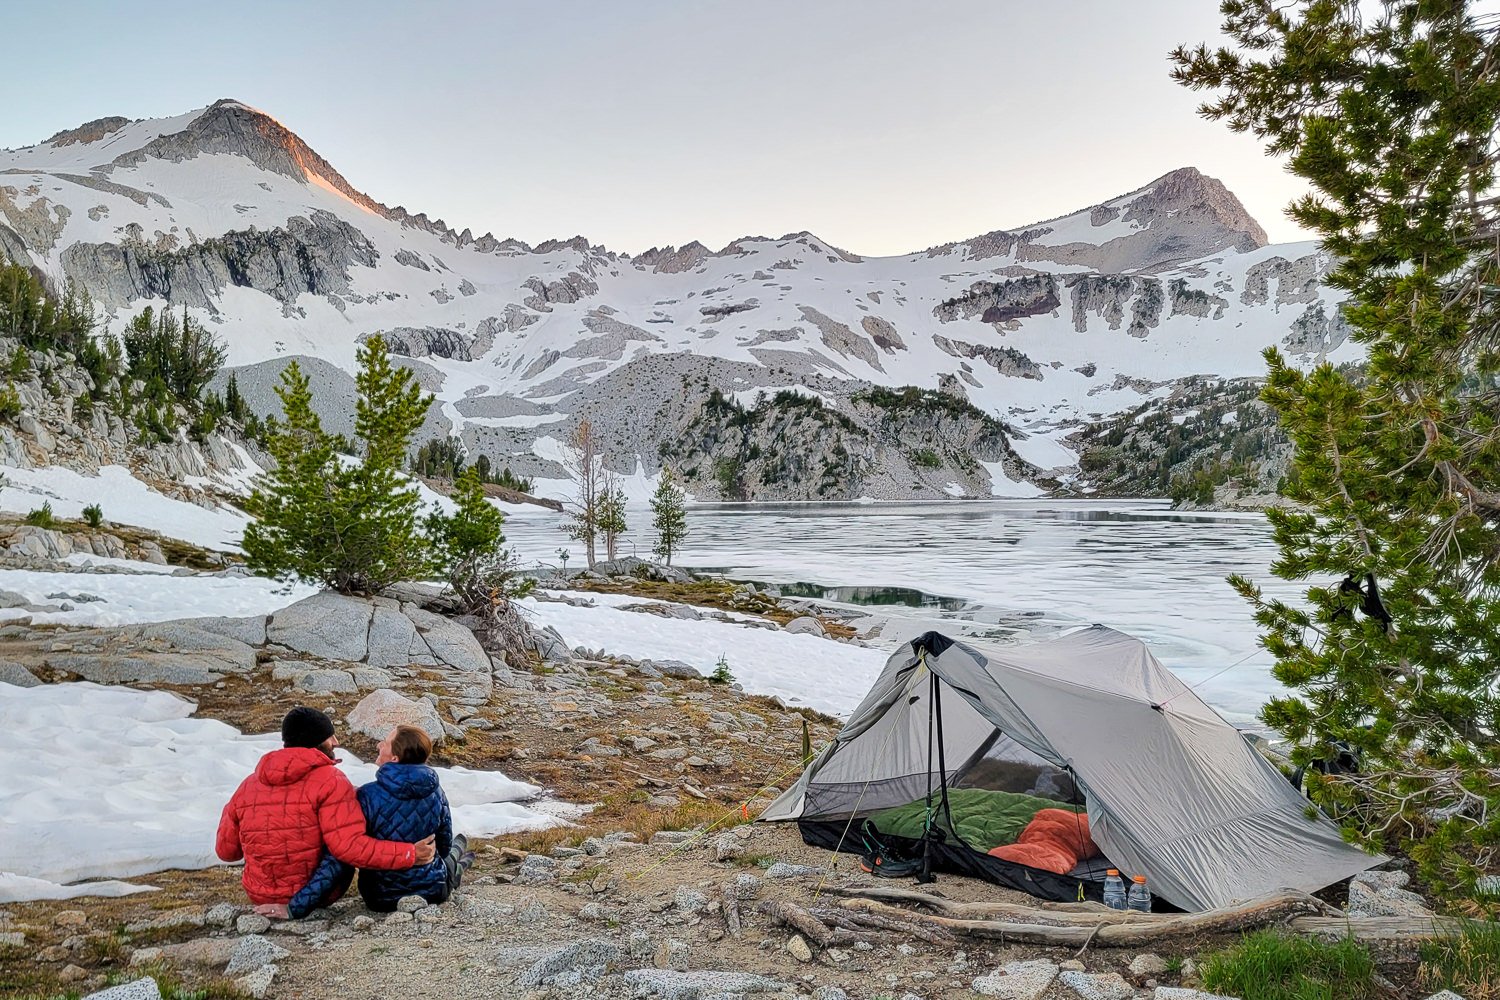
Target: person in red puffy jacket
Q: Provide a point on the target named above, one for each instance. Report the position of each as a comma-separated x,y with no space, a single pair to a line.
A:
296,804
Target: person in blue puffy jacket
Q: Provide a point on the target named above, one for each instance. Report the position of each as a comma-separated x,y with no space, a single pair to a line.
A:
406,795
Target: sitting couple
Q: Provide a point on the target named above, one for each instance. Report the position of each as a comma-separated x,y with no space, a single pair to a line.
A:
302,829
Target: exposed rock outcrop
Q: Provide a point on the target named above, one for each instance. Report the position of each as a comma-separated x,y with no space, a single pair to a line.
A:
1296,280
1316,331
1005,360
1003,301
841,339
427,341
309,255
564,290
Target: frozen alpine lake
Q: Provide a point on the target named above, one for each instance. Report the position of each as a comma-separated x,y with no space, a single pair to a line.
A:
1011,570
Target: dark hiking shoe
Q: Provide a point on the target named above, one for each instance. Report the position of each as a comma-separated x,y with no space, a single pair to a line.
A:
884,867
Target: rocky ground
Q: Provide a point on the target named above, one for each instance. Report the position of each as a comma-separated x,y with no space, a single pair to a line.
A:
661,890
679,917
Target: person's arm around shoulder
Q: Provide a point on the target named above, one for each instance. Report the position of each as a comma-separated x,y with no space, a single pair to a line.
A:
342,824
227,844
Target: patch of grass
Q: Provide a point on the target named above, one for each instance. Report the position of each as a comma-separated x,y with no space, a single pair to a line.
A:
41,517
105,949
93,515
1468,963
174,987
587,874
624,812
1270,965
27,979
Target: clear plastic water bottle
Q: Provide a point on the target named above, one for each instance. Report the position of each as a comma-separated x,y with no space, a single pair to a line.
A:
1114,890
1139,897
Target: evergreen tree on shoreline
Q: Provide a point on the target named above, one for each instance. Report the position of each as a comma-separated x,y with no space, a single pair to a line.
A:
1392,118
611,516
668,515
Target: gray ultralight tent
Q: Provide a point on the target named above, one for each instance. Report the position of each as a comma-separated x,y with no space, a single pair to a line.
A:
1173,791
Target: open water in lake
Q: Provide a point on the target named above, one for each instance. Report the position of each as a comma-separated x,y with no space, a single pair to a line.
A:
1011,570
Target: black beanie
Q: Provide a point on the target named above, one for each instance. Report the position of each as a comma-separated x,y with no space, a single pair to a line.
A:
305,727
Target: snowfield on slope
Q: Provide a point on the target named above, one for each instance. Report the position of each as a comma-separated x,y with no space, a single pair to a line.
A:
119,783
124,499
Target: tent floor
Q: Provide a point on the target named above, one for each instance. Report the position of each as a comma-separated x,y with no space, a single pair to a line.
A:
959,859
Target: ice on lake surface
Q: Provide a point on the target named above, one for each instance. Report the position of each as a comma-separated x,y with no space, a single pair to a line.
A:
1009,570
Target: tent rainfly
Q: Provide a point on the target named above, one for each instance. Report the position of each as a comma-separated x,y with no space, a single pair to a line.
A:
954,738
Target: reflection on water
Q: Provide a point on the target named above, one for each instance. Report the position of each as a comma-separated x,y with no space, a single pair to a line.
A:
1015,569
871,596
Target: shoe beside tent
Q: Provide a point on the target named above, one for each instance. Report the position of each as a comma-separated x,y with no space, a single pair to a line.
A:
1172,791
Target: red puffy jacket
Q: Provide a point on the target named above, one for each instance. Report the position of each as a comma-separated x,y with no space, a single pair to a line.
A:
282,816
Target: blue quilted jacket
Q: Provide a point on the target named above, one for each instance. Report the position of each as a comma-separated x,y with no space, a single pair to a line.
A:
406,803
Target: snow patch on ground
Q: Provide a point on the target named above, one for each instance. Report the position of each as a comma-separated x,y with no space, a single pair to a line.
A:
118,783
127,598
87,561
801,669
19,888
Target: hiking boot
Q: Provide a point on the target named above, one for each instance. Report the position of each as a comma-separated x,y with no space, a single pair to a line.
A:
883,867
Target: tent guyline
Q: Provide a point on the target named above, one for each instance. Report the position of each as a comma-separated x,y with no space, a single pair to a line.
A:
1041,766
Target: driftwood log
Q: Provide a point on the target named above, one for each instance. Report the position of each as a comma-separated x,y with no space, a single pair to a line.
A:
1077,928
864,922
731,895
1074,914
804,923
1384,930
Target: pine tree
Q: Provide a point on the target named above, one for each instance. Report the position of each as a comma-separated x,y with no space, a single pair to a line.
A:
296,503
1396,471
611,517
176,360
234,403
352,526
470,548
668,515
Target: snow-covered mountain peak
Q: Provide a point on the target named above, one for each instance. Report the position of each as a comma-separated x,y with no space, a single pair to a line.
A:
1181,216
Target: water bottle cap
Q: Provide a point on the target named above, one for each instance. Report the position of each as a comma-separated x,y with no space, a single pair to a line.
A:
1139,878
1112,871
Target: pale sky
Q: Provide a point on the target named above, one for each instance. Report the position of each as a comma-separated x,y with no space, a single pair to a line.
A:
881,126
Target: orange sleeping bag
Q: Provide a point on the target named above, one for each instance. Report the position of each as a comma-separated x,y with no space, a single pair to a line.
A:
1055,841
